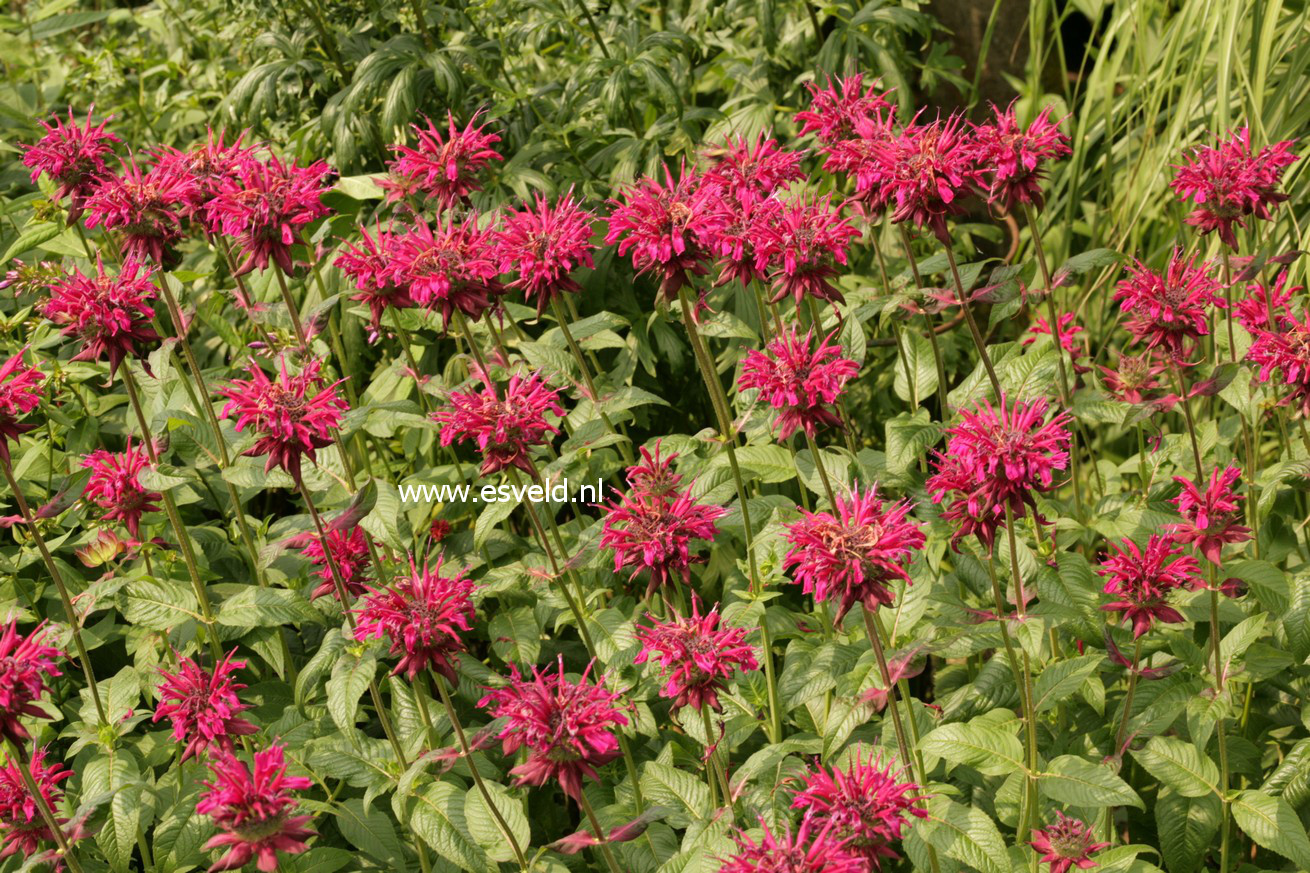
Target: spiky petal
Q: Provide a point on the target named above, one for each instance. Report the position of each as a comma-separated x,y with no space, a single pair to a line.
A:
72,155
115,486
696,656
866,804
1169,310
203,706
254,811
109,314
505,425
800,379
1210,516
1141,581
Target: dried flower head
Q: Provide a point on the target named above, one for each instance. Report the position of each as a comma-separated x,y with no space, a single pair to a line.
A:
504,427
696,656
801,382
109,314
72,155
254,812
115,486
203,706
1141,580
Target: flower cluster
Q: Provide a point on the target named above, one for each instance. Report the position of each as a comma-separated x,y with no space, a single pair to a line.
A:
115,486
265,206
23,829
866,804
109,314
348,549
542,245
800,379
696,656
1142,579
20,393
807,850
254,811
1210,516
1229,183
73,155
1169,310
423,615
503,428
1067,844
26,663
203,706
442,168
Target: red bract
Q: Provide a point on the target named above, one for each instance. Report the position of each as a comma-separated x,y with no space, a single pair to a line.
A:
424,616
256,813
1210,517
265,205
567,727
1066,844
504,429
835,110
925,173
1287,350
443,169
349,550
542,245
1142,580
371,265
448,267
866,804
147,209
652,526
1169,309
20,393
1263,302
115,487
1012,156
205,167
803,851
1068,332
293,415
853,556
73,155
109,314
23,829
697,656
804,243
750,172
800,382
203,706
1227,182
25,665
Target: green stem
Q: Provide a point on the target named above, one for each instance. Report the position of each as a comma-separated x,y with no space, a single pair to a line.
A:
43,807
978,341
1186,403
594,395
598,832
1128,698
945,409
1216,648
1020,677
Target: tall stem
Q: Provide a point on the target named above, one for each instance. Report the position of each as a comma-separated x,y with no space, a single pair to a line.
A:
1186,403
594,397
43,807
823,472
291,308
1228,294
1128,698
973,324
1021,678
598,831
945,409
713,764
1216,649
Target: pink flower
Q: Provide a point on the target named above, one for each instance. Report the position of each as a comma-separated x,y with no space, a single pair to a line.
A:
853,556
862,156
443,169
802,384
23,829
203,706
1228,183
1287,350
265,206
835,111
750,172
567,727
738,240
1066,844
697,656
652,526
804,243
448,267
1142,579
1263,301
424,616
293,415
925,173
256,813
109,314
115,487
26,663
1068,330
803,851
1134,378
1169,309
205,167
73,155
349,551
146,208
1210,517
504,429
1013,156
543,245
866,804
20,393
371,266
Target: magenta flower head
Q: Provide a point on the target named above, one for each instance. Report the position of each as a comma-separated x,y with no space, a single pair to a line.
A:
926,172
20,393
667,228
853,556
72,155
203,706
998,456
1012,156
1067,844
504,428
1227,183
265,205
1286,349
567,727
349,550
750,172
424,615
696,656
1068,332
255,813
293,415
448,267
25,665
805,242
1263,302
866,804
801,382
205,167
542,245
836,110
810,849
109,314
1210,517
651,528
23,830
1142,579
370,265
1168,310
115,486
444,169
1134,378
147,209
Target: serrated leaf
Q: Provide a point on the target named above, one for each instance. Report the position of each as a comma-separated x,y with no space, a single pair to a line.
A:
1179,765
991,750
372,832
676,788
1079,782
1272,823
484,827
159,604
1062,679
437,816
350,678
266,607
966,834
1186,826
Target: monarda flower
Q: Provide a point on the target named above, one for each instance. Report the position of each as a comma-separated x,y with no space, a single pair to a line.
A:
424,615
853,556
265,205
542,245
25,665
1263,302
115,486
349,551
567,727
449,267
1067,844
804,243
20,393
1169,310
696,656
811,849
23,830
147,209
736,243
750,172
293,415
866,805
206,166
1141,580
504,428
109,314
925,173
370,265
254,812
1286,349
1210,517
1227,182
1012,156
72,155
835,111
1068,332
444,169
800,382
203,706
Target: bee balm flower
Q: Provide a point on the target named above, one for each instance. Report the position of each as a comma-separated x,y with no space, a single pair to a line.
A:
1066,844
696,656
109,314
504,429
23,830
444,169
1227,183
1169,309
25,665
865,804
807,850
203,706
349,551
1210,517
800,382
542,245
265,206
20,393
115,486
1142,579
73,155
255,812
1012,156
147,209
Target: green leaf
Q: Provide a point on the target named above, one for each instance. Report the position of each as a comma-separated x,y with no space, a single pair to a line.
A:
1180,766
489,520
159,604
437,816
1272,823
350,679
676,788
1062,679
1267,583
484,827
516,635
765,464
990,750
361,187
266,607
1079,782
1187,826
372,832
31,237
966,834
916,368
